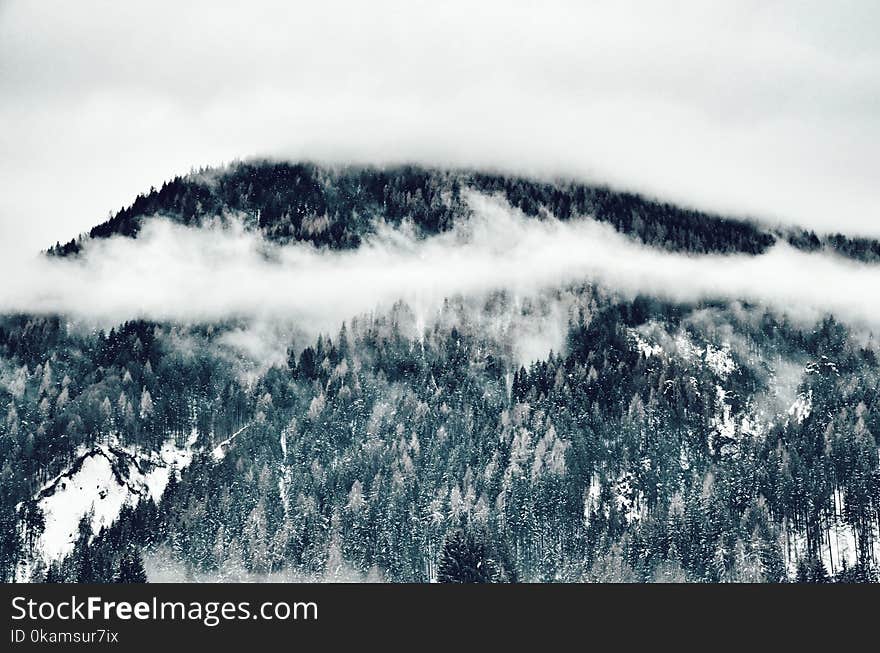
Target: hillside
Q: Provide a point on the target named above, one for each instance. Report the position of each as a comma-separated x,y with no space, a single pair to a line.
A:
657,440
337,206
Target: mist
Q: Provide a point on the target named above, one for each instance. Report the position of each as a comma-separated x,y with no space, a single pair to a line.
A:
192,275
162,566
184,274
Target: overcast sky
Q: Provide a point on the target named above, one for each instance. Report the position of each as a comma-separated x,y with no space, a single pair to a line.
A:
764,108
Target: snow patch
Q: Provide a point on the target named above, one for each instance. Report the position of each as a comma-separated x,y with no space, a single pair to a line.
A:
644,346
838,548
822,366
99,484
729,428
628,500
801,408
219,452
592,498
719,360
685,348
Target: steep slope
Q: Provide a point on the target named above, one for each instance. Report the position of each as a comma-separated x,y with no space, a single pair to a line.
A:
93,491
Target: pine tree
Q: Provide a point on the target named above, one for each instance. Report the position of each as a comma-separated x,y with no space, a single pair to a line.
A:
131,568
463,560
467,557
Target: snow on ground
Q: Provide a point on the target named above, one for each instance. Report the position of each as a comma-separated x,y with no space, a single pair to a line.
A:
629,501
101,482
821,366
173,458
724,421
838,547
685,347
729,427
219,452
723,424
96,486
800,409
719,360
644,346
592,498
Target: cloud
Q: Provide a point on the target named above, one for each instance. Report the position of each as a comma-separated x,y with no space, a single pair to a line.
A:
749,107
185,274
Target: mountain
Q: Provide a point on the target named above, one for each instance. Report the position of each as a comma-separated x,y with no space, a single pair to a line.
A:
337,206
658,440
90,495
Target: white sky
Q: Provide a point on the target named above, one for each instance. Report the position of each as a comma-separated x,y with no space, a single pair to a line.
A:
764,108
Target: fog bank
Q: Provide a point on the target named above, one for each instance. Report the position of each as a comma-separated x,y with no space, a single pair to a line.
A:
185,274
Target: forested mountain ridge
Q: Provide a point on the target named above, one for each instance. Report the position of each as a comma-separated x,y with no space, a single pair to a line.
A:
651,449
660,440
337,206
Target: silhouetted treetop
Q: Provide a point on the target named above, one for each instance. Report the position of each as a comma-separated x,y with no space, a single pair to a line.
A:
337,206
